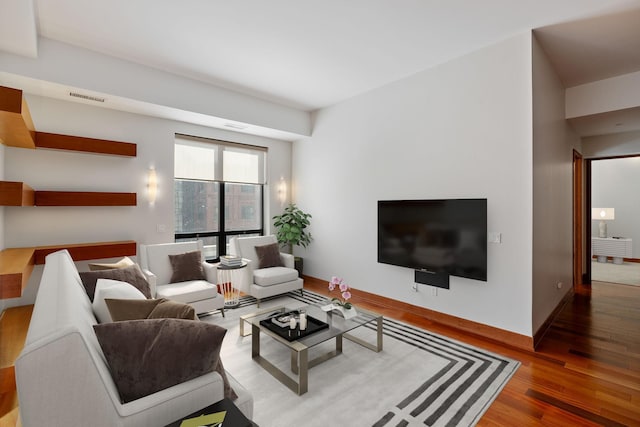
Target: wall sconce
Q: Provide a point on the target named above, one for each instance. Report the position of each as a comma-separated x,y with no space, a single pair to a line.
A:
282,191
152,185
603,214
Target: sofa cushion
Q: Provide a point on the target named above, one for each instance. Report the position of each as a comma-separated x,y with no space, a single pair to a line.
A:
173,309
187,292
131,274
187,266
107,288
274,275
146,356
128,309
269,256
123,263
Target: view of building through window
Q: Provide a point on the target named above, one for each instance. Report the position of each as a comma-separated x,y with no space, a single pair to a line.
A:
218,192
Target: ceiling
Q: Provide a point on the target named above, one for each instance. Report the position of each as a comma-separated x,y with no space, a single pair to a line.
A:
309,55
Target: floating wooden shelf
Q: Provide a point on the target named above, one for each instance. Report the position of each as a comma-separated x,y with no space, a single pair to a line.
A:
88,145
77,198
88,251
16,194
16,264
16,126
20,194
14,324
17,130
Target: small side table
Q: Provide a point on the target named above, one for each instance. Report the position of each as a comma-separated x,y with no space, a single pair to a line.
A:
228,276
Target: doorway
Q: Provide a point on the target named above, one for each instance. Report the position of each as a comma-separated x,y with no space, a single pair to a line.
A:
611,225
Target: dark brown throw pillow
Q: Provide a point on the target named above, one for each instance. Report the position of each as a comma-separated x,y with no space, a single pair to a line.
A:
131,274
146,356
187,266
269,256
162,308
131,309
173,309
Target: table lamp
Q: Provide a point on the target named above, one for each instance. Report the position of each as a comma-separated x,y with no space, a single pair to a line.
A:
603,215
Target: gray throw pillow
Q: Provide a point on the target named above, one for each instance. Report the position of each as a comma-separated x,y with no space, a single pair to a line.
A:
146,356
132,275
187,266
269,256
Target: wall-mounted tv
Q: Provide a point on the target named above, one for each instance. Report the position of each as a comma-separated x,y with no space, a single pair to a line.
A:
447,236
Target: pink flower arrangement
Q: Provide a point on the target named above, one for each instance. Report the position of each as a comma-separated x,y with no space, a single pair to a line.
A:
344,291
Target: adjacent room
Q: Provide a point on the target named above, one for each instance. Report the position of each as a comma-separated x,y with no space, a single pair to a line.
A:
366,213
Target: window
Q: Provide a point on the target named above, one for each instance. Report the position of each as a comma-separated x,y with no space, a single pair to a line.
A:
218,192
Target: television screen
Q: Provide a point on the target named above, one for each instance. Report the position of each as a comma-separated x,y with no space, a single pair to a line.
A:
441,236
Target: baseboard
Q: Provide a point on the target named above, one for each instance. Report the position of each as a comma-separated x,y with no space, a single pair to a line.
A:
537,337
501,336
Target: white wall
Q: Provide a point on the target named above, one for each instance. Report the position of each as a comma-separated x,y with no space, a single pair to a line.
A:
462,129
69,65
618,144
553,144
64,170
614,185
615,93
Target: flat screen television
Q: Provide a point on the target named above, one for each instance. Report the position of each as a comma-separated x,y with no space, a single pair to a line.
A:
441,236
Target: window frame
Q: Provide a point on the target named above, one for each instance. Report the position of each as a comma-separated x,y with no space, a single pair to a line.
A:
222,234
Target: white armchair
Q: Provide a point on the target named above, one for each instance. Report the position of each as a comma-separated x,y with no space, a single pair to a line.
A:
202,295
265,282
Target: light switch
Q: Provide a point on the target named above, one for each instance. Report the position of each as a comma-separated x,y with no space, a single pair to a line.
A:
494,237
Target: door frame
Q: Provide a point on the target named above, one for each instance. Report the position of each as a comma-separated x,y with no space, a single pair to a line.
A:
578,224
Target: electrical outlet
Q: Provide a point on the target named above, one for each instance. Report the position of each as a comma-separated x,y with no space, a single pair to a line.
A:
161,228
434,291
559,285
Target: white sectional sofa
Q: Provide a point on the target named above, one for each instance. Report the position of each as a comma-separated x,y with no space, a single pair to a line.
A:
63,378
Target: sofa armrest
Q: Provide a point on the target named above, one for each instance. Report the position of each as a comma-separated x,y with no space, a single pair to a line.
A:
152,279
287,259
211,272
47,397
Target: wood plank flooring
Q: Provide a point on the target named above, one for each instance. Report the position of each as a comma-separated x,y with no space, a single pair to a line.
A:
585,371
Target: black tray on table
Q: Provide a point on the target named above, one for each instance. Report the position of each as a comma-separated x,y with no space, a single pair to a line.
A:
313,325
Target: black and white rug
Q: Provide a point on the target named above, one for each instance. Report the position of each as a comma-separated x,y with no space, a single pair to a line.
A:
420,378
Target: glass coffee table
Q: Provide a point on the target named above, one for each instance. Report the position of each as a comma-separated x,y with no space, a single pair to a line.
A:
338,328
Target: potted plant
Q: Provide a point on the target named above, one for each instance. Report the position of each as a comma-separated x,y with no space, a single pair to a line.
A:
290,226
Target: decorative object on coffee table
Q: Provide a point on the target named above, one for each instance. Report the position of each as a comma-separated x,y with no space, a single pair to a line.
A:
343,306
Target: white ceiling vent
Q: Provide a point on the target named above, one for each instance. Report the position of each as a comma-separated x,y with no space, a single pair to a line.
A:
87,97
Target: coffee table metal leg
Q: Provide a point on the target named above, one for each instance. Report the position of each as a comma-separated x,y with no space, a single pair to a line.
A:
303,376
377,347
255,341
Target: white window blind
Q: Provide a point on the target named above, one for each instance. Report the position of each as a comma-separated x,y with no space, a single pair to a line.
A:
214,160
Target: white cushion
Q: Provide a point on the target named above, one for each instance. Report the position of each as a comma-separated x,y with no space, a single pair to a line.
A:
107,288
274,275
187,292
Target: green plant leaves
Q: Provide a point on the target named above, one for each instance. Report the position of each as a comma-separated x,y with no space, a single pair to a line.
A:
291,226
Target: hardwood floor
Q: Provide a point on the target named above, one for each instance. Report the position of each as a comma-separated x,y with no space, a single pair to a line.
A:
585,371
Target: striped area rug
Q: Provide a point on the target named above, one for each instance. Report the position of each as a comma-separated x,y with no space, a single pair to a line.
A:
419,379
